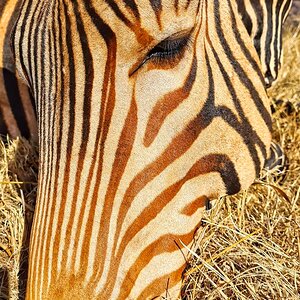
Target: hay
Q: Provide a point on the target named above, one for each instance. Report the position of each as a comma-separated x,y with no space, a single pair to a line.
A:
249,246
18,177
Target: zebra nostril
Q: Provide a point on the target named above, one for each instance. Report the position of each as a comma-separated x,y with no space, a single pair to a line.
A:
269,78
269,81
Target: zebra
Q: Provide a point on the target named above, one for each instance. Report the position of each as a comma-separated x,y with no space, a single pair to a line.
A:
263,20
17,112
147,110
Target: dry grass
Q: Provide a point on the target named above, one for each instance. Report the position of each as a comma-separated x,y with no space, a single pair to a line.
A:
18,177
249,247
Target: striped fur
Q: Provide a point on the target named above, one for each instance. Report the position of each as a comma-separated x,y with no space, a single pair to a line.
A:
17,114
263,20
132,144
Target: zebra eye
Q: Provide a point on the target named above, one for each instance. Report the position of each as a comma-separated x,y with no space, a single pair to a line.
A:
167,53
169,50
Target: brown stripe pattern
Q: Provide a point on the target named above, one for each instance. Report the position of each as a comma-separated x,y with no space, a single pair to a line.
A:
129,159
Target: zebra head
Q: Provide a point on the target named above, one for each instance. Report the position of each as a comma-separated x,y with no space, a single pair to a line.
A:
263,20
146,109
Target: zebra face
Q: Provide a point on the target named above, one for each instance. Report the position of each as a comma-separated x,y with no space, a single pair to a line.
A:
263,20
146,109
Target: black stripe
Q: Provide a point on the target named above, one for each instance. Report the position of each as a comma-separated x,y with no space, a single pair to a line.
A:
30,47
52,107
256,5
278,24
245,16
19,41
188,2
2,7
269,35
41,76
71,85
225,167
89,77
286,9
157,7
37,83
176,6
284,15
133,7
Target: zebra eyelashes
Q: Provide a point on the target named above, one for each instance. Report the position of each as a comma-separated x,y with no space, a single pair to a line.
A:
169,50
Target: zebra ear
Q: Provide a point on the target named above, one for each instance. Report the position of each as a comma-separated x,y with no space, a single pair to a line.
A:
19,68
22,76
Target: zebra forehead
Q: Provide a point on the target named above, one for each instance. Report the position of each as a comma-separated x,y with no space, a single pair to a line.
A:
157,5
146,22
139,11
